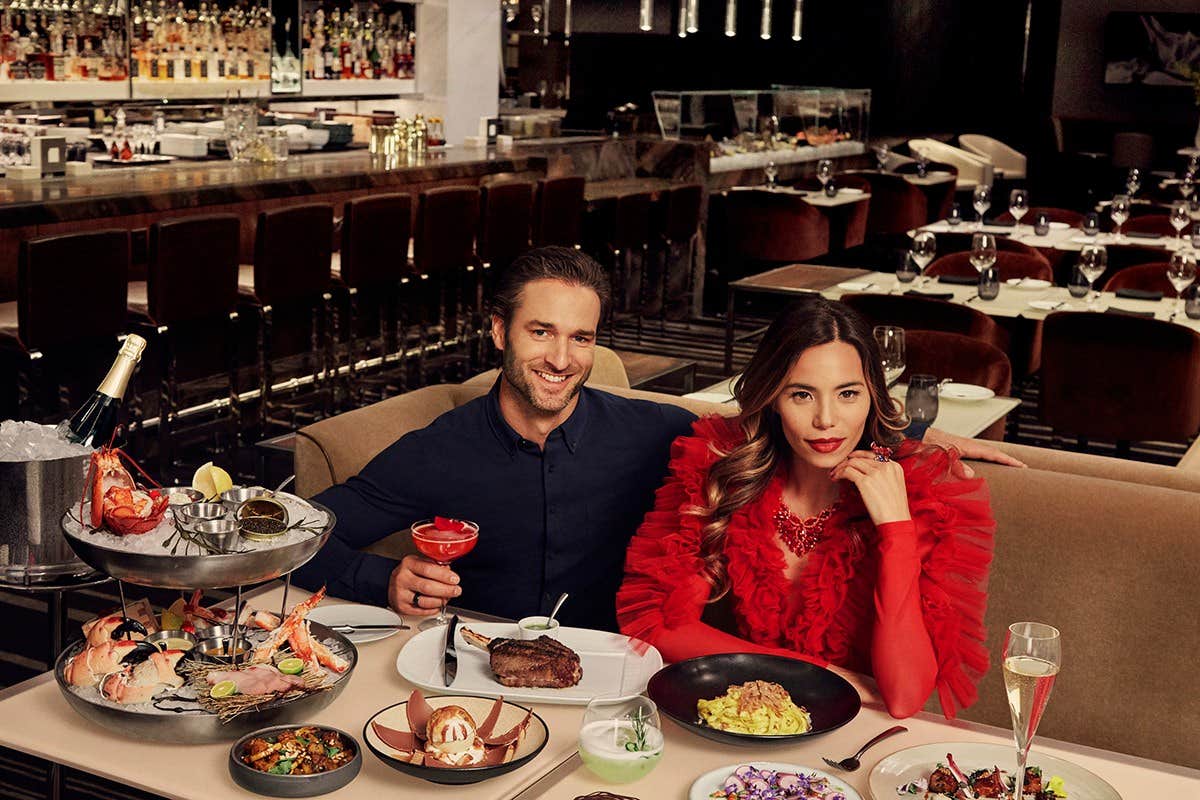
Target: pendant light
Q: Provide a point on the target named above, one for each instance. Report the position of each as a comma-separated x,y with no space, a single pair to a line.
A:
682,30
731,17
764,28
797,19
646,15
693,16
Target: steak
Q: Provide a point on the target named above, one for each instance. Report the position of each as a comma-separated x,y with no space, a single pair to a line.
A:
540,663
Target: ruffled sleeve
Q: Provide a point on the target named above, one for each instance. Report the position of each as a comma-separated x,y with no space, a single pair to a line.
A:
951,539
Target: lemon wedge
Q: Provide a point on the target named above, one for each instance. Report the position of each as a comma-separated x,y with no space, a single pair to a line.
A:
172,617
223,689
211,480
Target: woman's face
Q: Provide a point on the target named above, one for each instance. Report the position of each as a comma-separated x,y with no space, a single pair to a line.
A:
824,404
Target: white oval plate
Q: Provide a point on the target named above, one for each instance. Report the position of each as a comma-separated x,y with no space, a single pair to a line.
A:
1059,226
966,392
355,614
1028,284
917,762
1048,305
710,782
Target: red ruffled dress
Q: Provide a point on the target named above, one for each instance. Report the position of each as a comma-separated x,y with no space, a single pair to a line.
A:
903,602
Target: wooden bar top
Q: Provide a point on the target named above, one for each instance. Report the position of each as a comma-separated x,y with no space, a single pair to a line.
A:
120,191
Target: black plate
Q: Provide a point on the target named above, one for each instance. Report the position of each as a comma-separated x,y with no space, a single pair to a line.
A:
537,736
292,785
829,698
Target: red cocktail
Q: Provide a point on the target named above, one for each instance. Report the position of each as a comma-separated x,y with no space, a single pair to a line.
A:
443,540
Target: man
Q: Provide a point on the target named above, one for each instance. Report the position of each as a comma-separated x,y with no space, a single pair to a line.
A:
557,475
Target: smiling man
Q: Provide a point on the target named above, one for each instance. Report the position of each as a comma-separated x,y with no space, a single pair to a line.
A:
556,474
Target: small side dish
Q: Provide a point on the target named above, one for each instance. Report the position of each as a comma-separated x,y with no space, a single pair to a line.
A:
299,751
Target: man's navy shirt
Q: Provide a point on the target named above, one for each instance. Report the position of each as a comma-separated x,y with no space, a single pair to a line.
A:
550,521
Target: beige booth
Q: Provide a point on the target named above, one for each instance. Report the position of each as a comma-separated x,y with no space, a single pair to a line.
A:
1107,550
1010,163
973,170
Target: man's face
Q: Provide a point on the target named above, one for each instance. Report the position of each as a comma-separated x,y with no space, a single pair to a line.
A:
549,344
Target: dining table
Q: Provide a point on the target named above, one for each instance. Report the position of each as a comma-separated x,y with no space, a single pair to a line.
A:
1060,236
48,728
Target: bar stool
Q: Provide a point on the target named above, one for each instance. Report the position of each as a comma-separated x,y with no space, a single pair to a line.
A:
71,292
558,213
292,248
445,261
191,284
505,220
629,231
373,263
680,207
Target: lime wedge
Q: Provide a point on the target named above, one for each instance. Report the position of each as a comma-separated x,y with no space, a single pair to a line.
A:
223,689
291,666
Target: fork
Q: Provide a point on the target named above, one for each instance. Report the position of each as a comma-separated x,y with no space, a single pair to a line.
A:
852,763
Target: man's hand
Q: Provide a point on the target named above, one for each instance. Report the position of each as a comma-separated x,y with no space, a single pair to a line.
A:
970,448
418,586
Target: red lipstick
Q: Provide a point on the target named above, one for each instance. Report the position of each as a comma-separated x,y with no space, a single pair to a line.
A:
824,445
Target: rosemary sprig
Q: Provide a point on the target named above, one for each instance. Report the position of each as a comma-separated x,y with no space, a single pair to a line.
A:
638,718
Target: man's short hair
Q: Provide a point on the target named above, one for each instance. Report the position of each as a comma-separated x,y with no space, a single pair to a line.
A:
564,264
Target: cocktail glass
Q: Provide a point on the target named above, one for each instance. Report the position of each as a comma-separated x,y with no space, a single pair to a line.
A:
443,545
620,740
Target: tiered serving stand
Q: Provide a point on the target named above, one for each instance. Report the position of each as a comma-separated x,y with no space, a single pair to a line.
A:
206,571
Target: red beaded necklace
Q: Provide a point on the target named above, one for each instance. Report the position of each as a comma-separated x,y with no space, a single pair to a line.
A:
801,535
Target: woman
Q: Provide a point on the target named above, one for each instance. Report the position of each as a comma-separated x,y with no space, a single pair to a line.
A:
836,539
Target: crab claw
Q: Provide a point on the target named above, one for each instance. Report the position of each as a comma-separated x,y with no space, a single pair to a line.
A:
140,652
128,627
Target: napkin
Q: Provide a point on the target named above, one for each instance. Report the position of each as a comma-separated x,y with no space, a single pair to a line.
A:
1128,313
849,190
1142,235
931,295
959,280
1000,223
1139,294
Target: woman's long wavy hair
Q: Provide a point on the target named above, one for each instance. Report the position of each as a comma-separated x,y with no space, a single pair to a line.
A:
740,476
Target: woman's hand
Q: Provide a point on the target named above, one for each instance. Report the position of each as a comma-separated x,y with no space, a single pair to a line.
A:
880,483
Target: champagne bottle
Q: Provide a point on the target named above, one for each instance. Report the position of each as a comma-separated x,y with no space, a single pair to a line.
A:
93,424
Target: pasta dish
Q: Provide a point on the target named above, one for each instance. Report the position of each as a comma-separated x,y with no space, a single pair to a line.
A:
756,707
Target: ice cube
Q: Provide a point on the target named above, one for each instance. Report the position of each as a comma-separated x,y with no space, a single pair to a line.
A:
32,441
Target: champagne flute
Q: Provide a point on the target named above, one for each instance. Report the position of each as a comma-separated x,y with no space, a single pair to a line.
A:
891,351
1018,206
442,541
1133,181
1181,272
981,199
1032,658
1180,218
1119,211
923,249
983,251
1093,260
824,171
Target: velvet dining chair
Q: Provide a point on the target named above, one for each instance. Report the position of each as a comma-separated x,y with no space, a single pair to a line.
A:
962,359
1010,265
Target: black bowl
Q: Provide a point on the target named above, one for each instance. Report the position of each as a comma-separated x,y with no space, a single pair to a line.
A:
292,785
829,698
394,716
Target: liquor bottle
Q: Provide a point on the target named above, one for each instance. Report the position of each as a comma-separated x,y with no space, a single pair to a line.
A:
93,424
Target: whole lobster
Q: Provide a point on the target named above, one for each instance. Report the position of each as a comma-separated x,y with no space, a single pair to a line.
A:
117,502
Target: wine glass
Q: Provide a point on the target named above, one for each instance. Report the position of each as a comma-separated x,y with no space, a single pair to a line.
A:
923,249
922,165
1133,181
981,199
1181,272
772,172
1018,206
1032,658
1181,217
921,402
882,151
891,351
1119,211
442,541
1187,184
983,251
535,13
1093,260
620,739
824,171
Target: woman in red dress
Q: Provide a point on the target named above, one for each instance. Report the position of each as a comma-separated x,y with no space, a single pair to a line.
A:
837,540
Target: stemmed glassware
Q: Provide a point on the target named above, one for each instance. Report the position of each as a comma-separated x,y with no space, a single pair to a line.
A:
1181,272
891,351
535,14
1133,181
1181,217
1093,260
882,151
621,739
824,171
442,541
1032,658
923,249
1018,206
772,172
983,251
981,199
1119,211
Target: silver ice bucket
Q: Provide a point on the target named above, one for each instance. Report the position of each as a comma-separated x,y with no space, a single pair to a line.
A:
33,497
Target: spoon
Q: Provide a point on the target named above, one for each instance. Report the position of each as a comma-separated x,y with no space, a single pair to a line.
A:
286,481
562,598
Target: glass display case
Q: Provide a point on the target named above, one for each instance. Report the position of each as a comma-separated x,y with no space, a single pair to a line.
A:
782,124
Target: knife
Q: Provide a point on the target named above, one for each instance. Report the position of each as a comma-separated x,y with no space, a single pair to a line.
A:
450,665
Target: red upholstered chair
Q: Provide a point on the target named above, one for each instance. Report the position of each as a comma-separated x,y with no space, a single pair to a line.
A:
962,359
1072,218
960,242
774,226
1148,277
1120,378
1010,265
938,196
1151,223
924,313
896,205
853,223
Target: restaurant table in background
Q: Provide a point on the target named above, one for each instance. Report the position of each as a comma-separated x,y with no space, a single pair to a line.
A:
1068,238
961,418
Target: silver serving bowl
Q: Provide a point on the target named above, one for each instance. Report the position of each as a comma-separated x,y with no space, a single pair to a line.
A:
183,495
197,726
232,498
160,638
219,534
292,785
207,571
193,514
